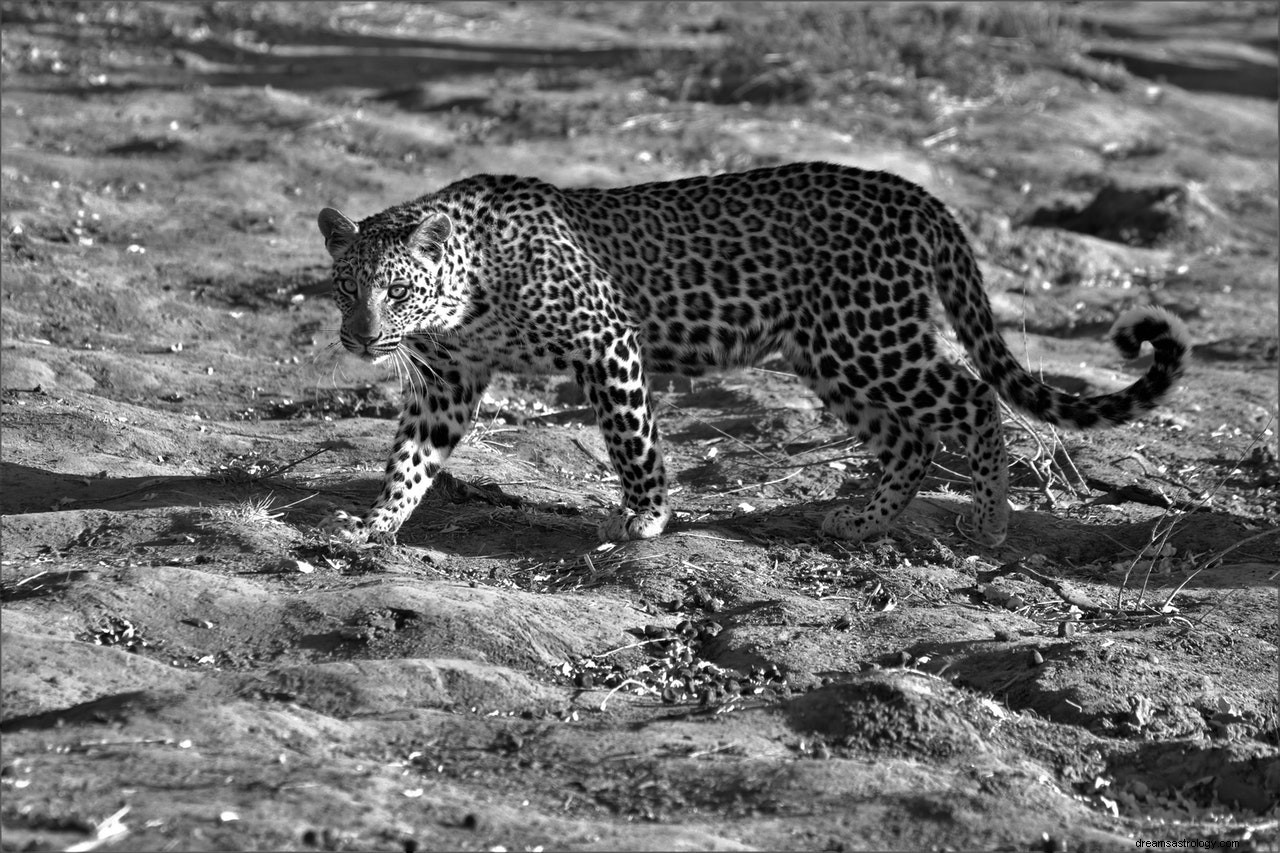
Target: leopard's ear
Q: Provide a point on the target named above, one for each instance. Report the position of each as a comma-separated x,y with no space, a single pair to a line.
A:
428,238
338,231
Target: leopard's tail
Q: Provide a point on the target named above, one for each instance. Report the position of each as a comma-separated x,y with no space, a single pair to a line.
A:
965,300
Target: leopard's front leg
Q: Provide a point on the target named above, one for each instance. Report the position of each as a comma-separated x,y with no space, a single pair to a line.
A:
436,415
614,382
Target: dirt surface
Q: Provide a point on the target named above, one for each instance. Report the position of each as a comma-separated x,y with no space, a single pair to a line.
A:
187,665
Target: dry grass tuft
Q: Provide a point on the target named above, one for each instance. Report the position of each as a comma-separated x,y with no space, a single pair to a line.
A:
257,513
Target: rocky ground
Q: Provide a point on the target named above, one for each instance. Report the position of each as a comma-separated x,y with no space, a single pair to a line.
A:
187,665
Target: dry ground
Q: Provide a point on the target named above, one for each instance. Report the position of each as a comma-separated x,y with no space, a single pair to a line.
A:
188,666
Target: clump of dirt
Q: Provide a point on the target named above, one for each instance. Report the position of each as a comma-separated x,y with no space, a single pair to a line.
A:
189,664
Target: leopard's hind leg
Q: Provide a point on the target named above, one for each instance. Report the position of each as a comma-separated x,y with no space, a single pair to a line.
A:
967,411
905,451
904,448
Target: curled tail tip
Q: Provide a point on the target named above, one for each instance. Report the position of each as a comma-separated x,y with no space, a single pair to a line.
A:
1161,327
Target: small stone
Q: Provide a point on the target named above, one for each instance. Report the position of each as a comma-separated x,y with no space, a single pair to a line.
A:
293,564
1052,843
1066,629
1036,658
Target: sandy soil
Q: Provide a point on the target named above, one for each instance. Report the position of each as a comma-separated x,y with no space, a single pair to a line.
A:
187,665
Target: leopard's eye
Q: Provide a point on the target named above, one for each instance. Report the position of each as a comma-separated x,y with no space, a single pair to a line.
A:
346,286
398,291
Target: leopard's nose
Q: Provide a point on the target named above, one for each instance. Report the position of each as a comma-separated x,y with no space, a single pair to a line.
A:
364,340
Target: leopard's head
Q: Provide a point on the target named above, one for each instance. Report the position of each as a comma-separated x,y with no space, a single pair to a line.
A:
391,278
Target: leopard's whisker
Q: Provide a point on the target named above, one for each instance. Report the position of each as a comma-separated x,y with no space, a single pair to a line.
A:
428,369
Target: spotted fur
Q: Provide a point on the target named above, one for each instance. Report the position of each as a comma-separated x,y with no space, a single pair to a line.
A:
832,266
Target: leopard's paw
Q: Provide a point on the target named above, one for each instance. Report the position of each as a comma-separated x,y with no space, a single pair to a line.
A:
845,523
345,527
983,531
624,524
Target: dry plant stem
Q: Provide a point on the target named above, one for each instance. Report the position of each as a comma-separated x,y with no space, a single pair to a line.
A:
703,536
276,510
638,645
954,478
1169,598
592,455
782,373
1155,544
1045,453
629,681
111,829
749,486
276,472
813,462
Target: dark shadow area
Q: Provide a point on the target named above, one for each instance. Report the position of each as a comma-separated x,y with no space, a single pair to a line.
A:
1206,773
34,490
27,489
1227,70
300,58
107,710
1143,216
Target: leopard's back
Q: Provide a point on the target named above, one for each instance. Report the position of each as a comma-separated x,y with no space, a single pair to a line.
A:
722,269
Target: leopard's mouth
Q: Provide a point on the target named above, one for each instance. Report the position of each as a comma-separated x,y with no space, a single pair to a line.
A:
372,351
372,354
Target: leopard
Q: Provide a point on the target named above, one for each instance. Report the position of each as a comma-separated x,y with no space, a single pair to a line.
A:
834,268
